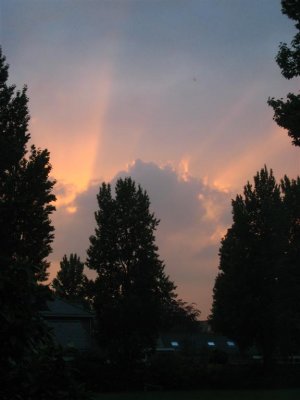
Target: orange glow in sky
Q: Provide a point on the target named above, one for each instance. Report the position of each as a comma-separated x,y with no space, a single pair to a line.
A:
144,87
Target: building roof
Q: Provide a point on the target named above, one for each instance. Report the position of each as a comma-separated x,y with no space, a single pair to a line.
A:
65,309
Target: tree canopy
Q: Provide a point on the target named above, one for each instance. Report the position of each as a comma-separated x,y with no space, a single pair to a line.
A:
287,113
26,198
71,283
26,232
256,293
133,291
28,356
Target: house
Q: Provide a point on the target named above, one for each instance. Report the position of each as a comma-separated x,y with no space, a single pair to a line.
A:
71,324
202,343
72,327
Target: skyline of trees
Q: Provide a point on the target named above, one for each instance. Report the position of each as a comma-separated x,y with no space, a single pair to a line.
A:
256,291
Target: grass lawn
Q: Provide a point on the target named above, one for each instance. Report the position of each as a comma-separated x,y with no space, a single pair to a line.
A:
205,395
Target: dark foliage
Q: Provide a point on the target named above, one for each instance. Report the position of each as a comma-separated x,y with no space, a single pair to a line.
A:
176,371
180,316
27,354
101,376
287,113
44,375
256,294
71,283
133,294
26,234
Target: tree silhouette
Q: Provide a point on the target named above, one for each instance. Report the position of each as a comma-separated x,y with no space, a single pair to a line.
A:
25,229
70,282
27,354
132,289
287,113
259,278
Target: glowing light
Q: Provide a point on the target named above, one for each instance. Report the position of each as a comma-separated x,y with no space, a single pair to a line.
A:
230,343
74,137
71,209
218,234
184,168
252,159
221,187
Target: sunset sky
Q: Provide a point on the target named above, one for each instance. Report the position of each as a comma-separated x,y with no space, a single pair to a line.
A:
171,92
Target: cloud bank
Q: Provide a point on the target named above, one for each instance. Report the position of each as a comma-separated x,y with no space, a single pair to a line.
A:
193,217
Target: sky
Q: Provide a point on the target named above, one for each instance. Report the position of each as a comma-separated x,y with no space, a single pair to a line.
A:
171,92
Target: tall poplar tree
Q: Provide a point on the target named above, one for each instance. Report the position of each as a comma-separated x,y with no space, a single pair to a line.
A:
256,294
30,366
132,289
